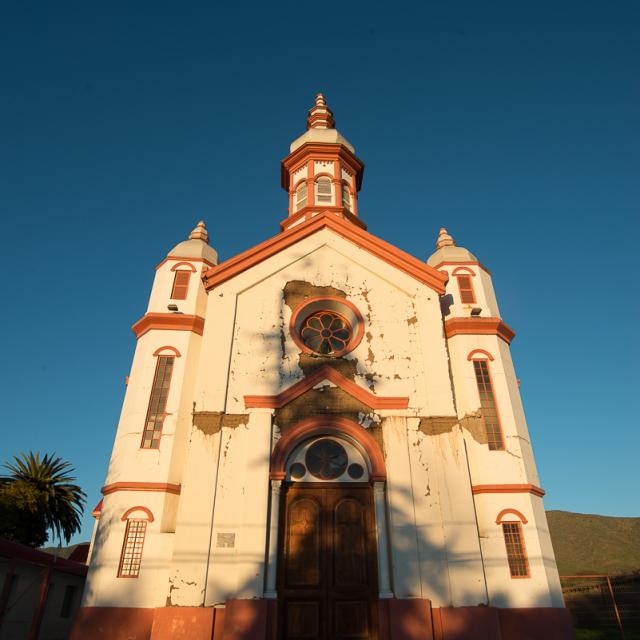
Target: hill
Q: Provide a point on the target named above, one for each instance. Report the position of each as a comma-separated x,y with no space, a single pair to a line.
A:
585,543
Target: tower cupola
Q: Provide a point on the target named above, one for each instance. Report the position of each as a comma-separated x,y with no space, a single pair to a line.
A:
321,172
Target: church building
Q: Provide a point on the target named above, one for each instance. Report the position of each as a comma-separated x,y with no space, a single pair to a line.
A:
322,438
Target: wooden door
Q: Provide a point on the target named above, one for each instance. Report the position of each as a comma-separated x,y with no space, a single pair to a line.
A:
327,579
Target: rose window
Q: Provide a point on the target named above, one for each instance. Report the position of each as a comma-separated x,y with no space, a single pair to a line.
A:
326,333
326,459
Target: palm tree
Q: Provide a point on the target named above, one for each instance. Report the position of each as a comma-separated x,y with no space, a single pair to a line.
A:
49,478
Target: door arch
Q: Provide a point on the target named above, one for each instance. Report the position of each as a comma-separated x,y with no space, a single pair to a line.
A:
327,577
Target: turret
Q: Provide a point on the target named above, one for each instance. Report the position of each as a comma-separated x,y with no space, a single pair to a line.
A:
321,171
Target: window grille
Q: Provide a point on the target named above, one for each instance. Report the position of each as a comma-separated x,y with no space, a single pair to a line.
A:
131,556
157,403
180,285
488,405
516,554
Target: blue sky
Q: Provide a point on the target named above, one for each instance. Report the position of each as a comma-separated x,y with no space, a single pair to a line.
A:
515,125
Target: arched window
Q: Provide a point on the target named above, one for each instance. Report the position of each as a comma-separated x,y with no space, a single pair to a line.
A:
488,406
324,191
514,542
346,196
134,535
180,285
157,402
301,196
465,285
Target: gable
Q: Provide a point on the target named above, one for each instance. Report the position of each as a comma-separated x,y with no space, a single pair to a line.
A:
384,251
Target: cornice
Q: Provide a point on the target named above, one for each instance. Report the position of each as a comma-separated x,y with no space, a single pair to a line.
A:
164,487
171,321
365,240
507,488
479,326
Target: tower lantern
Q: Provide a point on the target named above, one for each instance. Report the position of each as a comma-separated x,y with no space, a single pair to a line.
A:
321,172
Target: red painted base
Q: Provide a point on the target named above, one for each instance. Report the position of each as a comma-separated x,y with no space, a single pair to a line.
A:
256,620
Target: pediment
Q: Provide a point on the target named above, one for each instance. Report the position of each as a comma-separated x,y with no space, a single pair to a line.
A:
320,375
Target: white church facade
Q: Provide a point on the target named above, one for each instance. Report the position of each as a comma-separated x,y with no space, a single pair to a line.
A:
322,438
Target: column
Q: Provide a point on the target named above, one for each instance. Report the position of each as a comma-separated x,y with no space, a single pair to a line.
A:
384,583
272,560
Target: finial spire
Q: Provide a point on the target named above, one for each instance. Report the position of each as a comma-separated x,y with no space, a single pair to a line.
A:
200,233
320,116
444,239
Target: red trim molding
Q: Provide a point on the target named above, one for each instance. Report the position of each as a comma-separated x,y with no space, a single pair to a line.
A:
171,321
363,239
507,488
176,353
463,271
325,372
146,511
326,425
475,355
479,327
469,262
97,509
140,486
210,264
513,512
357,331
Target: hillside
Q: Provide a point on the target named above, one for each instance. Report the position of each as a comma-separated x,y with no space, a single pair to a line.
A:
585,543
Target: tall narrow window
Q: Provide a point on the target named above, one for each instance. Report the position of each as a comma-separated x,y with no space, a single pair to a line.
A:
488,405
516,553
301,196
346,196
131,555
157,403
466,290
180,285
323,191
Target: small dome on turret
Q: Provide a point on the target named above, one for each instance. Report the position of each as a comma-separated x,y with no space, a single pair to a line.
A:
447,251
321,128
197,246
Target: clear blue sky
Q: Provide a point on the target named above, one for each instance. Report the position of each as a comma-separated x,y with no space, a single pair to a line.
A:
515,125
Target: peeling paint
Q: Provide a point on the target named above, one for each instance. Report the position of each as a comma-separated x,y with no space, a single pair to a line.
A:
210,422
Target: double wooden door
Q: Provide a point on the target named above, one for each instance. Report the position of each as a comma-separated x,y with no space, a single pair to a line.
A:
327,578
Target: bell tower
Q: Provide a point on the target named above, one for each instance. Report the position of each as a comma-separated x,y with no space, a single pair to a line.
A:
321,172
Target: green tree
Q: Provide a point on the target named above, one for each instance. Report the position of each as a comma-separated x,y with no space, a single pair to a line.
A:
37,496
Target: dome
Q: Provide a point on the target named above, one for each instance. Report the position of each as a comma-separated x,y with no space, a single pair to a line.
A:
197,246
447,251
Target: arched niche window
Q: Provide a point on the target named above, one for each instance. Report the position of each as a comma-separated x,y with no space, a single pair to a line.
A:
180,288
488,406
324,191
301,196
346,196
465,277
511,522
327,459
156,411
137,519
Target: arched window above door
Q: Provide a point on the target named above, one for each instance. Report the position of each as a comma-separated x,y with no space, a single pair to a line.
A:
327,459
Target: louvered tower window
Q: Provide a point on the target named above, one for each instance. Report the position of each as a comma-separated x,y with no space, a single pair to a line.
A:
180,285
301,196
466,290
323,191
346,196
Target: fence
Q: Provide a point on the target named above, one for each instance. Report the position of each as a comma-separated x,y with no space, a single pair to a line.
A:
607,604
